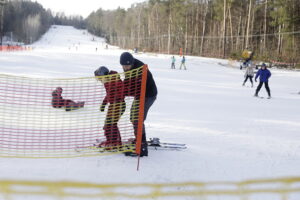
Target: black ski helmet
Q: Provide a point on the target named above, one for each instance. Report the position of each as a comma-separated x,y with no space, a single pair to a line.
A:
101,71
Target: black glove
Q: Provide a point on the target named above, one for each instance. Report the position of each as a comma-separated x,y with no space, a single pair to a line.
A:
102,107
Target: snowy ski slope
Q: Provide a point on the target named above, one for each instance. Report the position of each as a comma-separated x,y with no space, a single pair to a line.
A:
230,135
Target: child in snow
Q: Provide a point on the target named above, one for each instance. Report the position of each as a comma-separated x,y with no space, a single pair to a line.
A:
58,101
249,74
264,74
173,62
183,63
115,97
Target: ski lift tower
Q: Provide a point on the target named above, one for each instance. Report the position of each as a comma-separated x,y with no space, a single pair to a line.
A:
2,3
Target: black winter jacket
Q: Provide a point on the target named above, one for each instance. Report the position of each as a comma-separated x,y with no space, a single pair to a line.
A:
151,89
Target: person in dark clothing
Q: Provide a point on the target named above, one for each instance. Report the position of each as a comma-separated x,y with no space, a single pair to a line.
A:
59,102
183,63
264,74
115,97
128,63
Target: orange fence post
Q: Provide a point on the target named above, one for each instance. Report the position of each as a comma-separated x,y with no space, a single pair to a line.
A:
141,110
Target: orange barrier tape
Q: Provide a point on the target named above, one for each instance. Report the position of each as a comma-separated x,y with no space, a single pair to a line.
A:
14,48
283,63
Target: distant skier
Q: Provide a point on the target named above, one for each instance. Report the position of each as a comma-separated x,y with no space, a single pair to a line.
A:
247,56
249,74
183,63
173,62
115,97
59,102
264,74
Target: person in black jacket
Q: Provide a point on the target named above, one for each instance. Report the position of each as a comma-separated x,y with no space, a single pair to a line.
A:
128,63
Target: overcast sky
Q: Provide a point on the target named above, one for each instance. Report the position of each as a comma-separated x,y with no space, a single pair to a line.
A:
84,8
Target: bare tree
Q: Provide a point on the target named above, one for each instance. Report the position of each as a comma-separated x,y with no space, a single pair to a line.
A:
248,24
224,28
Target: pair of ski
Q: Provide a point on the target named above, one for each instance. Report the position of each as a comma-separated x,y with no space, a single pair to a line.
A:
153,143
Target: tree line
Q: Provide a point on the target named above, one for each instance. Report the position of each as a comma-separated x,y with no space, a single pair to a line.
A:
25,21
218,28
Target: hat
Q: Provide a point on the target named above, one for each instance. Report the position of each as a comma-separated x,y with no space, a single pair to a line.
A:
126,59
101,71
59,89
264,65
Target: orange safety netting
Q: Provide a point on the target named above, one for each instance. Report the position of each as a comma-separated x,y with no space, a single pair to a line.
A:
70,117
14,48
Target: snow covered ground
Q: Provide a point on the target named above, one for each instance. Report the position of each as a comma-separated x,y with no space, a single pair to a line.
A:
231,136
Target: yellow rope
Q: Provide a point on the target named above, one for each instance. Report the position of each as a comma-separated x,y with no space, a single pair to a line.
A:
280,187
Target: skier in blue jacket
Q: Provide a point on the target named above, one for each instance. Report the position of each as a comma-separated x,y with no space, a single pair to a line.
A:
264,74
183,63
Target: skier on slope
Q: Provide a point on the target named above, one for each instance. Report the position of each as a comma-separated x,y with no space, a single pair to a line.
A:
128,63
264,74
115,97
247,56
173,62
183,63
249,74
58,101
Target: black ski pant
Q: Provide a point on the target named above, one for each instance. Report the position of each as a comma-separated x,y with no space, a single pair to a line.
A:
266,86
173,66
250,78
134,115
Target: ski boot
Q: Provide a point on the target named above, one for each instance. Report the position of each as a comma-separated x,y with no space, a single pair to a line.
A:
144,151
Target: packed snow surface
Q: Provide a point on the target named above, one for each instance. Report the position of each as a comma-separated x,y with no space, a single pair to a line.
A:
230,135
